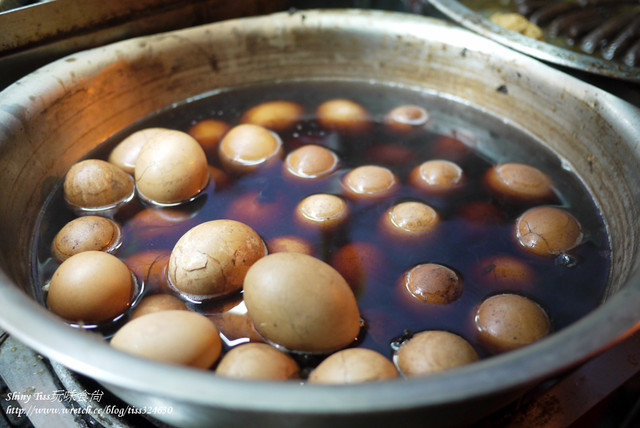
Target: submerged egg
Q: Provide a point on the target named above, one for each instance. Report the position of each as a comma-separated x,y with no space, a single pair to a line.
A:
370,182
276,115
343,116
311,161
157,303
322,211
125,154
209,133
85,234
247,147
90,287
257,361
434,351
174,336
516,182
409,221
301,303
508,321
406,118
433,283
437,176
212,258
171,168
353,365
95,185
548,231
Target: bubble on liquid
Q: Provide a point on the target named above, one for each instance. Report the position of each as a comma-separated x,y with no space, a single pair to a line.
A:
567,260
398,341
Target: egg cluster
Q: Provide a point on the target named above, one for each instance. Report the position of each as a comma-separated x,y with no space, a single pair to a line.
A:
294,291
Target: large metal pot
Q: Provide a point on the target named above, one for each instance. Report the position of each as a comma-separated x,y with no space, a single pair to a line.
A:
53,117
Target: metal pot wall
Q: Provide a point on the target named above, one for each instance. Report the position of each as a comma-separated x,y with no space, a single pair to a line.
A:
53,117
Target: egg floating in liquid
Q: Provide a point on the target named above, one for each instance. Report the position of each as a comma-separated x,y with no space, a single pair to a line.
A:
305,230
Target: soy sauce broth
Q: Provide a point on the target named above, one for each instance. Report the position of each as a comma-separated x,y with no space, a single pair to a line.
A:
567,288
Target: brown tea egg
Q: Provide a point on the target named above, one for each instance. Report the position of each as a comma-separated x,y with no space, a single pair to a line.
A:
389,154
156,303
406,118
453,148
504,272
353,365
247,147
220,178
171,168
256,209
84,234
310,162
290,243
174,336
150,268
508,321
153,222
519,183
548,231
301,303
437,176
433,283
369,182
209,133
433,351
410,220
212,258
233,322
90,287
125,154
357,262
277,115
481,213
257,361
95,184
342,115
322,211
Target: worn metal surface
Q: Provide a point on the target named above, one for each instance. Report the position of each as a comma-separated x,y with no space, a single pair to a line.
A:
475,21
51,118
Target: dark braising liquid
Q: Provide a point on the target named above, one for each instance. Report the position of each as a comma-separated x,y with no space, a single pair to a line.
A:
567,287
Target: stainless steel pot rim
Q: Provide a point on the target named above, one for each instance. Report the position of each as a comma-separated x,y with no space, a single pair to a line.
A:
94,358
537,49
88,354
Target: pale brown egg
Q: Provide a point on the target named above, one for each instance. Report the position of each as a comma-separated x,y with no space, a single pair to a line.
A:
257,361
437,176
212,258
157,303
433,351
290,243
97,185
301,303
344,116
406,118
519,183
508,321
174,336
409,221
247,147
90,288
209,133
84,234
150,268
171,168
322,211
125,154
504,272
310,162
358,262
548,231
233,322
433,283
354,365
369,182
276,115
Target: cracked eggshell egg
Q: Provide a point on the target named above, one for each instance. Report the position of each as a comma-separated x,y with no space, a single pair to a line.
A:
94,184
212,258
85,234
174,336
171,168
301,303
